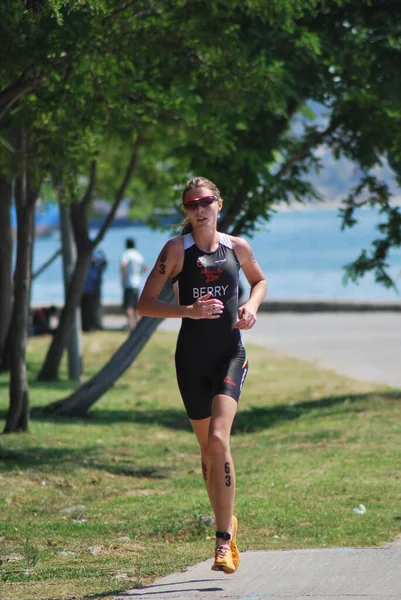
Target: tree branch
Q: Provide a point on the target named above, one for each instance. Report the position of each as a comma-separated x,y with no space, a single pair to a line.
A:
78,214
138,15
87,197
120,9
310,141
120,192
10,95
46,264
34,185
237,204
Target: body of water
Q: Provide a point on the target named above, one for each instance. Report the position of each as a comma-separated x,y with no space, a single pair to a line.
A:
301,252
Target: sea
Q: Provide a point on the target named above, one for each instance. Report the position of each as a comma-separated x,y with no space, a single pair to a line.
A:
302,253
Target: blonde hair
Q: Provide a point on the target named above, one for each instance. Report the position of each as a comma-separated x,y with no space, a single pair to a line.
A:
196,182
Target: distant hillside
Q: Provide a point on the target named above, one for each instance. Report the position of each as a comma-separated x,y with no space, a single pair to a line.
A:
337,177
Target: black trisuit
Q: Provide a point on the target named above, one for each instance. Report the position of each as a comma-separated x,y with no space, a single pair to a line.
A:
210,358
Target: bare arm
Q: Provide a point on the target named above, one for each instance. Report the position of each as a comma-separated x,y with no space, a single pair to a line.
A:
168,264
254,274
123,268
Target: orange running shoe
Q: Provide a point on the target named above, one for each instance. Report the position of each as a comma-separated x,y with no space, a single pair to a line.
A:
223,560
233,543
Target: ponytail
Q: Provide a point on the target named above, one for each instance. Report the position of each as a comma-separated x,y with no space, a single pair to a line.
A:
185,227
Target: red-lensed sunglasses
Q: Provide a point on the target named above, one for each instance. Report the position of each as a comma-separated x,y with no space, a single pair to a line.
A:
203,202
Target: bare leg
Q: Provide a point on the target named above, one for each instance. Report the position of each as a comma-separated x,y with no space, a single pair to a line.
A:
222,474
213,435
201,429
131,318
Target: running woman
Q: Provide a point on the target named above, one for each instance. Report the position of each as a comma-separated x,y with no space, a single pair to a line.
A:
211,363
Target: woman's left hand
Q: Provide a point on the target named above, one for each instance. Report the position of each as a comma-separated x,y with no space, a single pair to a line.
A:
246,317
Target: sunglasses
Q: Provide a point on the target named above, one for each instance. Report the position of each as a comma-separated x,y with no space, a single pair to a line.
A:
203,202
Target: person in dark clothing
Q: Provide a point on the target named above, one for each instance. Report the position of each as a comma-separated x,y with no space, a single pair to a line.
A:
91,305
41,320
210,359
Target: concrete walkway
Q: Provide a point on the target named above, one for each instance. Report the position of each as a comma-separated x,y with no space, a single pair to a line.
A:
363,345
332,574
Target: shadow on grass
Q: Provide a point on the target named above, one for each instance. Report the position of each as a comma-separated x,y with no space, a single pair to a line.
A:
169,417
257,418
62,460
249,420
62,385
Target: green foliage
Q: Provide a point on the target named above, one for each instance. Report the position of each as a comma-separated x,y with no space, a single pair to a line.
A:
371,192
212,87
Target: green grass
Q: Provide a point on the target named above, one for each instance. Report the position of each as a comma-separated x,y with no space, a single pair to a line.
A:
308,445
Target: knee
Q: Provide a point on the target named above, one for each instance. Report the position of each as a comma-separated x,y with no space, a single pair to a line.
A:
218,443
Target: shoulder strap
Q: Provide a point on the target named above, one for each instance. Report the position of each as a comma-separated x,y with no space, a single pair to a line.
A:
188,241
225,240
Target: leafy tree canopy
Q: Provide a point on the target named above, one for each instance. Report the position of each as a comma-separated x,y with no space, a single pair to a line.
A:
213,87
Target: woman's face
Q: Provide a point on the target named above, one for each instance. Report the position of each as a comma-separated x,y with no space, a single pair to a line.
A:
201,216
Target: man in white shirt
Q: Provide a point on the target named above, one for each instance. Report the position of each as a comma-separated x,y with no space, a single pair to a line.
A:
131,267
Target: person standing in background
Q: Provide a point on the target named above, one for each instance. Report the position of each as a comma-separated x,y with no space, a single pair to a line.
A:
91,303
131,268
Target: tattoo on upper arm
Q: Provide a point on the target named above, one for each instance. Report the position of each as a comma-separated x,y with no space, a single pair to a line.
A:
163,259
252,256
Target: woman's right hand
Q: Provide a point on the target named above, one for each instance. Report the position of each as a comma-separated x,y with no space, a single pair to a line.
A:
206,307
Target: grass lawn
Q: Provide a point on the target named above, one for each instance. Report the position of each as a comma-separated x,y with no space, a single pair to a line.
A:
93,507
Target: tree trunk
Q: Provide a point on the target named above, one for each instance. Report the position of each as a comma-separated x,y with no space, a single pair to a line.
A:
79,402
5,359
6,252
25,198
50,368
69,260
85,247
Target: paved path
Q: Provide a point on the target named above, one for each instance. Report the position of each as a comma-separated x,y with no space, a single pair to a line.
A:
365,346
332,574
